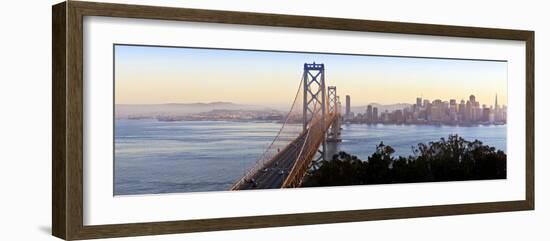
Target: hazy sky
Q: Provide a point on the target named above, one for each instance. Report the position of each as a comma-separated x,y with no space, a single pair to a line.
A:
152,75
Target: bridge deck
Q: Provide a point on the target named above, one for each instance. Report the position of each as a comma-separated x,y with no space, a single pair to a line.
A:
275,172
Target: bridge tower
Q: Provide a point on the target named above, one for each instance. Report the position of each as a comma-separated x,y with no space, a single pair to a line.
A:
333,108
314,95
331,99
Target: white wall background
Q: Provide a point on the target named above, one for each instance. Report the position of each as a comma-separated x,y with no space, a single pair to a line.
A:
25,120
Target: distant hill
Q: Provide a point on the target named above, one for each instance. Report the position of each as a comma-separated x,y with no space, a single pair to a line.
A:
381,107
124,111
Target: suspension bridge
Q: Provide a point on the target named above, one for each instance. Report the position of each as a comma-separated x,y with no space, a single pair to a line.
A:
301,143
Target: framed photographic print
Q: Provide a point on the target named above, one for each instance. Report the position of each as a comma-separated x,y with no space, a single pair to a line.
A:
171,120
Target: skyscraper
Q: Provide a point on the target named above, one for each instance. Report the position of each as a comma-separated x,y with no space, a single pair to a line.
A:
375,114
437,110
418,102
428,112
348,105
485,113
425,103
496,110
453,107
473,112
468,111
369,113
477,111
462,111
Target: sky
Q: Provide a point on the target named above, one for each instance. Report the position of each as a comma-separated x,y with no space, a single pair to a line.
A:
157,75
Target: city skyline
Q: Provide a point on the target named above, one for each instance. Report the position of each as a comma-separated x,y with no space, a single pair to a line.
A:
157,75
414,101
436,111
424,111
352,105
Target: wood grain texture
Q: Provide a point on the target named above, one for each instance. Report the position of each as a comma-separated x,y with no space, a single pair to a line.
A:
121,230
280,20
530,120
58,121
74,121
67,78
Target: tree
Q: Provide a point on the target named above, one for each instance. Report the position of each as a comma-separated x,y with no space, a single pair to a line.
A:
451,159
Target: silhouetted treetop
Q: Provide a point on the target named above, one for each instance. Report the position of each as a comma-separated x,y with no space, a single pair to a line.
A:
451,159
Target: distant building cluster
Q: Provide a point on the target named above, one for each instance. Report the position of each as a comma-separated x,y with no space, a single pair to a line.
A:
432,112
226,115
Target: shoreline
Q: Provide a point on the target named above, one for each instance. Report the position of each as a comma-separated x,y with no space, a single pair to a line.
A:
345,123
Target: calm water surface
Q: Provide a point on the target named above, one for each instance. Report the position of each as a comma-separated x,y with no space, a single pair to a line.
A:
192,156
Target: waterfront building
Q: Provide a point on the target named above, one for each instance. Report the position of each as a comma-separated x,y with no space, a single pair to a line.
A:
428,110
486,111
468,111
461,110
369,113
437,110
397,116
348,106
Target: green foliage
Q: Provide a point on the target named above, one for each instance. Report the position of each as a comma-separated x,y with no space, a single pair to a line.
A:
451,159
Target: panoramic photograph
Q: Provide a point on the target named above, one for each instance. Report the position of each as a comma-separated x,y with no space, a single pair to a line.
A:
192,119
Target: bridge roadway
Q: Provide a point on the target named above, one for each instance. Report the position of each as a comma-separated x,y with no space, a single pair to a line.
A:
276,171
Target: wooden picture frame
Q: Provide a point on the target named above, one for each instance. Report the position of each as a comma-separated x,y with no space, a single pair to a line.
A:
67,122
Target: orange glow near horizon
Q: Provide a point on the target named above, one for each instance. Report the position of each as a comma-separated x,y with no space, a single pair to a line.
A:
156,75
